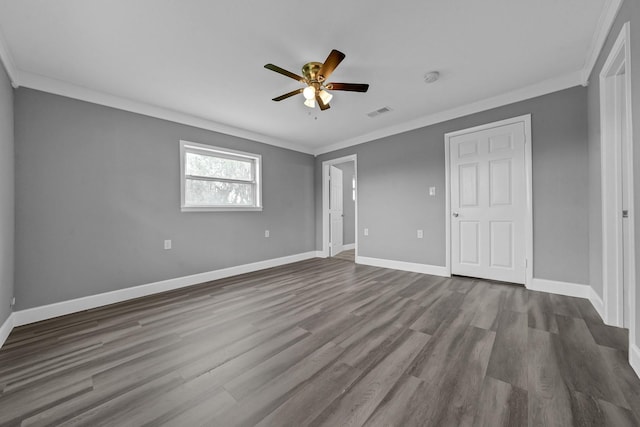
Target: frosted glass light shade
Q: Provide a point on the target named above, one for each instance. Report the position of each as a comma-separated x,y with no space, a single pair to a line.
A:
325,96
311,103
309,92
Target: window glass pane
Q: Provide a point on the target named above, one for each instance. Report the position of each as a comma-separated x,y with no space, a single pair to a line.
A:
217,167
216,193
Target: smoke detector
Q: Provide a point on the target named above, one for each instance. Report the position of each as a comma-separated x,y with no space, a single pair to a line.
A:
431,77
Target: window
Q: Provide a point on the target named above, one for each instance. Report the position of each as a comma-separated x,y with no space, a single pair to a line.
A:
219,179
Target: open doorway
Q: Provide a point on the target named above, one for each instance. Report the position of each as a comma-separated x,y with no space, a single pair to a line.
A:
339,208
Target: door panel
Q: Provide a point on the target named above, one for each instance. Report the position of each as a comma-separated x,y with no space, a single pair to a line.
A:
501,235
500,182
488,203
469,185
467,148
500,142
469,239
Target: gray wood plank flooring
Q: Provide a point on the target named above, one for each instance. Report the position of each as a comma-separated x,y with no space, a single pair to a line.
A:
348,255
324,342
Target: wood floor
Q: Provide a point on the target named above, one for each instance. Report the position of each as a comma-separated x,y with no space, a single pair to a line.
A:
348,255
324,342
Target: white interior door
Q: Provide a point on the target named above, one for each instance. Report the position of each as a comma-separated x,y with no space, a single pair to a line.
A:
621,118
488,203
336,214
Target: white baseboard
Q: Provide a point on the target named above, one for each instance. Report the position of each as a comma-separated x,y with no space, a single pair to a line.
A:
634,358
321,254
348,247
434,270
6,328
560,288
36,314
596,302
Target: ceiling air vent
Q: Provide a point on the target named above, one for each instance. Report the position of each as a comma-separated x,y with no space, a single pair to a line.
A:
378,112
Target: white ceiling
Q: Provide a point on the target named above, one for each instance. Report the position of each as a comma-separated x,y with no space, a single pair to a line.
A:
205,59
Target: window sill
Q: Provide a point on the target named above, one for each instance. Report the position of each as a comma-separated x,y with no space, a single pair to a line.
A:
220,209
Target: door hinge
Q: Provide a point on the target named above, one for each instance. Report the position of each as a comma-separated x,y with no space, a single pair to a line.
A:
625,214
526,263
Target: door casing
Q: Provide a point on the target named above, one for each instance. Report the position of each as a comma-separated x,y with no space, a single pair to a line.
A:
325,200
617,65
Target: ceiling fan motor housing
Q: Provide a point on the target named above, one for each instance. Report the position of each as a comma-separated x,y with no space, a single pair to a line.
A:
310,72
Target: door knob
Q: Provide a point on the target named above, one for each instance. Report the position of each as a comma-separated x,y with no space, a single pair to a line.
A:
455,214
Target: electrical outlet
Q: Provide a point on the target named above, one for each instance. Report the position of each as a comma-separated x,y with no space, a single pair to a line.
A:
366,231
167,244
420,234
266,233
432,191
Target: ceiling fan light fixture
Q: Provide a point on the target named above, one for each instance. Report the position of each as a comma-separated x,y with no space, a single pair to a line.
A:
309,93
315,91
325,96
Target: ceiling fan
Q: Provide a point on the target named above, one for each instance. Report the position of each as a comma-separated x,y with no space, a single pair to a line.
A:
315,78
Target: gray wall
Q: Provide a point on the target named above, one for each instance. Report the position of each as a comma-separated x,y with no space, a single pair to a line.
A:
629,12
348,204
98,192
394,174
6,196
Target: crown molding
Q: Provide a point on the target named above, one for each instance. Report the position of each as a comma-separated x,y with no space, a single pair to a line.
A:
605,22
7,61
20,78
528,92
58,87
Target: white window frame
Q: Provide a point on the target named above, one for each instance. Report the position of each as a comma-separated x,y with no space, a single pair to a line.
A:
210,150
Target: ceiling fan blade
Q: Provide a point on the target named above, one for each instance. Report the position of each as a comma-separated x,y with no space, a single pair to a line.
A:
321,104
288,95
284,72
352,87
330,64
